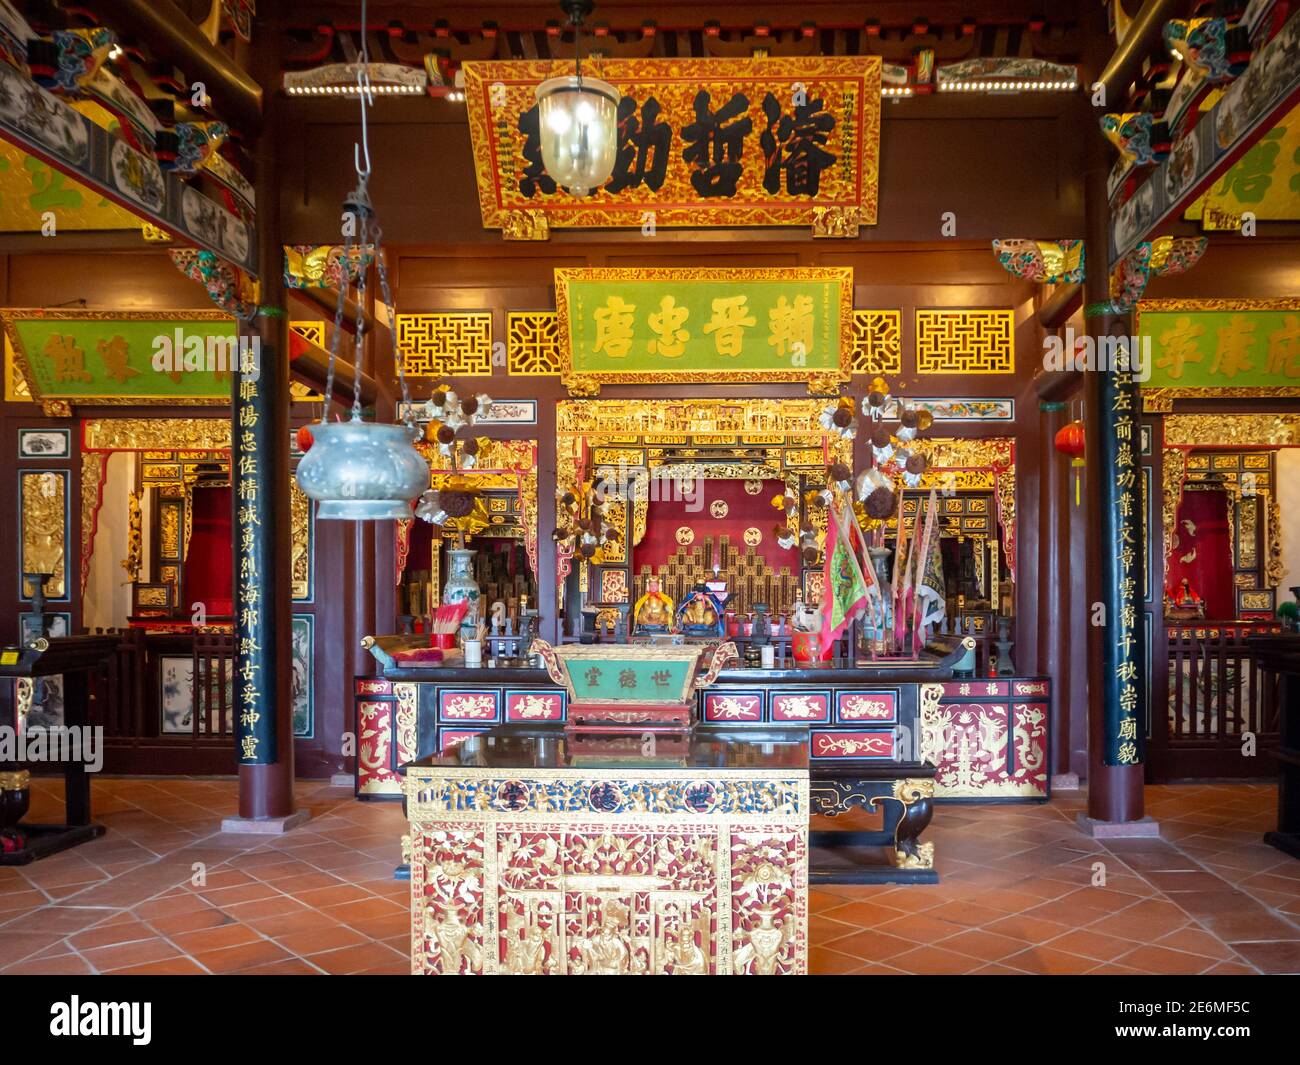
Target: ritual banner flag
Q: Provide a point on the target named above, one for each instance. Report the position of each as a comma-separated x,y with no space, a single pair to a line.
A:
931,604
844,589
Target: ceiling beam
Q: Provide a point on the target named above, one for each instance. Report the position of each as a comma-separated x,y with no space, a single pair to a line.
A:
170,36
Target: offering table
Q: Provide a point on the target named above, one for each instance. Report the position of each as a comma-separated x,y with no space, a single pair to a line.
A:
533,850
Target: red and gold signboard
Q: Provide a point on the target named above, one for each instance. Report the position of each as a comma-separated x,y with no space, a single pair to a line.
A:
702,142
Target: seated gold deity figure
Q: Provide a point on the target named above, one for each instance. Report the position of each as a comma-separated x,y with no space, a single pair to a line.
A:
654,610
699,612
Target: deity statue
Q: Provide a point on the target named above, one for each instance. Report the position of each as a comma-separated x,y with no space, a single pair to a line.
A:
700,613
763,946
451,934
654,610
606,953
688,959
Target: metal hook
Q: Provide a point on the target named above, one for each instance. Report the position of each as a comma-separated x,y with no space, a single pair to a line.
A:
367,98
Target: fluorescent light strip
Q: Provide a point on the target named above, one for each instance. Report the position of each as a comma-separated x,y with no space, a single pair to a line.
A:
1008,86
352,90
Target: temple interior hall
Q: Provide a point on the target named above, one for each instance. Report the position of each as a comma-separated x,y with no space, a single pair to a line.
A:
556,487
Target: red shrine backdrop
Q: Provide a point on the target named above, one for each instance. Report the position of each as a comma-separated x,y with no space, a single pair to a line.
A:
207,563
744,510
1203,554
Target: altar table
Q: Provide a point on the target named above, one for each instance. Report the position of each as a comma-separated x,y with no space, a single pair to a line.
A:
533,851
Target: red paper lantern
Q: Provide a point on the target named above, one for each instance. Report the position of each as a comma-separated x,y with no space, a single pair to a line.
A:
303,437
1070,441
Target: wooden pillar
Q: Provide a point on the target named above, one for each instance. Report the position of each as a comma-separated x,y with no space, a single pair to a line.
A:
1117,711
1055,498
549,626
260,471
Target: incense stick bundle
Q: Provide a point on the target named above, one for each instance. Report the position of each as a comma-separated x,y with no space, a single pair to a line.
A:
447,618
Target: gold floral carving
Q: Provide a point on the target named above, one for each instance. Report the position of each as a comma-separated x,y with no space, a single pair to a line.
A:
44,530
989,453
836,221
690,417
134,535
1161,400
300,543
1175,472
405,720
169,532
1274,568
1232,430
93,472
157,434
525,225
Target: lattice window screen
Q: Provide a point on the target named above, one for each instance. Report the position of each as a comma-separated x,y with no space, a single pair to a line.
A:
446,343
965,341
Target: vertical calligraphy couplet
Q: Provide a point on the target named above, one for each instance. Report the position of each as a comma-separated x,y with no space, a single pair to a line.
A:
252,450
1122,558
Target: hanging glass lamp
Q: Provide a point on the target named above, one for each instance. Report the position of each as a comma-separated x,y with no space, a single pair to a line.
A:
577,120
358,470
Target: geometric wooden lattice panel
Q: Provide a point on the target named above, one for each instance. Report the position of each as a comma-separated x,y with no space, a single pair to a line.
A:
446,343
313,331
533,343
965,341
877,342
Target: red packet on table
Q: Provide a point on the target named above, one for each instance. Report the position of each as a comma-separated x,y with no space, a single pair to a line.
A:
419,656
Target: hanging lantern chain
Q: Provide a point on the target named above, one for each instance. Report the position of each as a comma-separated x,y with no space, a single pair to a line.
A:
408,411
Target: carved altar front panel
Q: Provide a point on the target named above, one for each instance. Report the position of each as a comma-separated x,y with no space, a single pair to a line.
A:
569,872
985,749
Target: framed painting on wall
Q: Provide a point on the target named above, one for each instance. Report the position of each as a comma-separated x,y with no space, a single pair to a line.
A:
304,633
44,443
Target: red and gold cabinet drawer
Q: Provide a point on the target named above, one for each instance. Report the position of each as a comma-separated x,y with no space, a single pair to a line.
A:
533,706
809,708
976,688
449,738
873,745
469,705
730,707
866,707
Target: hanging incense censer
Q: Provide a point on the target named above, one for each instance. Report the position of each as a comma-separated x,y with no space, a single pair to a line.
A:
358,470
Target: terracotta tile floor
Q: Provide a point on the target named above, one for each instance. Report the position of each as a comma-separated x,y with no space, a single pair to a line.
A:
1017,891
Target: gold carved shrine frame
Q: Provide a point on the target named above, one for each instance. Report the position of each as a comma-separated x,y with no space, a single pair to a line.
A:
957,464
190,437
628,437
1184,433
508,464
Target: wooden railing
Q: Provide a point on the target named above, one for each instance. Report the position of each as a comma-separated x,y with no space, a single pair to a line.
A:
166,703
1220,712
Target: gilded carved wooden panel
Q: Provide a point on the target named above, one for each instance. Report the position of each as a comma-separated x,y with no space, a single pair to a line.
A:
44,545
570,872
